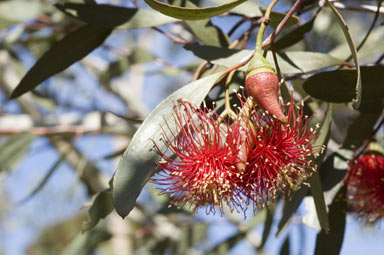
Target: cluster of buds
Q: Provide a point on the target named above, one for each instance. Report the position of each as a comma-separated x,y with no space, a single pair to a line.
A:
365,185
251,159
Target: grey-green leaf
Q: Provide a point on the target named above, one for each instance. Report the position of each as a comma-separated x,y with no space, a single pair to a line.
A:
101,207
116,16
192,13
352,47
338,87
291,62
139,160
13,150
73,47
331,243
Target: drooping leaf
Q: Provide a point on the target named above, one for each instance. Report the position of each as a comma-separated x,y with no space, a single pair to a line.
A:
294,36
86,243
101,207
13,150
267,227
45,179
351,44
291,62
318,197
139,160
331,242
73,47
192,13
116,16
360,130
338,86
285,248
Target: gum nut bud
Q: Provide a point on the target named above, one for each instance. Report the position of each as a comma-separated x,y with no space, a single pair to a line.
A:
263,87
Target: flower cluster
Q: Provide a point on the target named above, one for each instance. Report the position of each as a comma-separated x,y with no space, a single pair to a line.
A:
247,160
366,187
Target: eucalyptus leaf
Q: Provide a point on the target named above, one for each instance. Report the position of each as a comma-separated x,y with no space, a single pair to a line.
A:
139,160
291,62
294,36
338,86
73,47
192,13
101,207
13,150
351,44
116,16
331,243
45,179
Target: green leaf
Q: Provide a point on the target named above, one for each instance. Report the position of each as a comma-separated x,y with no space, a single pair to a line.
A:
360,130
139,160
331,243
101,207
45,179
204,30
115,16
86,243
192,13
73,47
351,44
291,62
338,87
285,250
267,227
318,197
17,11
294,36
13,150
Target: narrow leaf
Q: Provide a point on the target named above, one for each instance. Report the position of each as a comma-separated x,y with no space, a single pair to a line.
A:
331,243
318,197
139,160
73,47
101,207
116,16
45,179
13,150
267,227
192,13
351,44
294,36
338,87
86,243
291,62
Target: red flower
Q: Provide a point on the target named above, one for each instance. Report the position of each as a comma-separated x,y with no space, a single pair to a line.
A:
279,154
366,187
202,171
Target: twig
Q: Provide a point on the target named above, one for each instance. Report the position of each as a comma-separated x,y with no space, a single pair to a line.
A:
281,25
369,30
173,38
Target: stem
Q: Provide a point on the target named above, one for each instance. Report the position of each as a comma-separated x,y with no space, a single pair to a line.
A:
228,108
272,36
259,40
